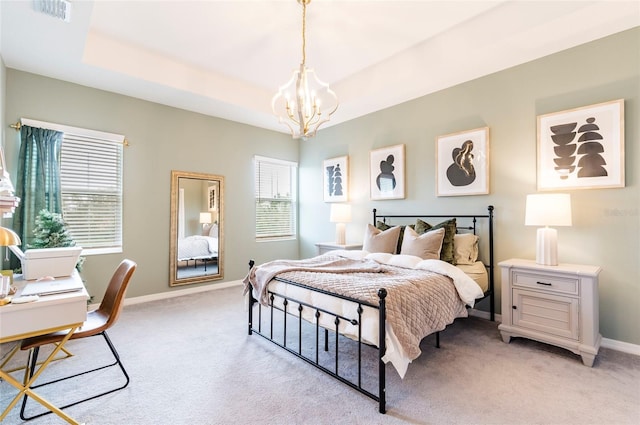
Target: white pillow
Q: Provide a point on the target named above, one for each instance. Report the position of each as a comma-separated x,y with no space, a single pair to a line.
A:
213,231
376,240
426,246
465,248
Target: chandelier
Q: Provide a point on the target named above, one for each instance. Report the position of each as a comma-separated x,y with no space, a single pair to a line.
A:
304,103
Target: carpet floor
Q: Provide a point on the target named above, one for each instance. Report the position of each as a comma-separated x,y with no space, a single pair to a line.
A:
191,362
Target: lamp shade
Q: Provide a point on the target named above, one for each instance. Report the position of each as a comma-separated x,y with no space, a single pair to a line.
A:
8,237
205,218
551,209
340,213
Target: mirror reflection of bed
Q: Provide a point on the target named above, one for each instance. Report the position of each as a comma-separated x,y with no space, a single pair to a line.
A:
196,223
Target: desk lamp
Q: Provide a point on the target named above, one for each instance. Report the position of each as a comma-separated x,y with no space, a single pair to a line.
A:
7,238
553,209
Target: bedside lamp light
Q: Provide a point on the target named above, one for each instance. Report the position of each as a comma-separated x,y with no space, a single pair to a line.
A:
340,214
552,209
7,238
205,218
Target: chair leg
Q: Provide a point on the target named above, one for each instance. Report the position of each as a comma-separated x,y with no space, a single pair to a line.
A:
116,362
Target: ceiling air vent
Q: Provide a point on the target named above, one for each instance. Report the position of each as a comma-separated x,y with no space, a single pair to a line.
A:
60,9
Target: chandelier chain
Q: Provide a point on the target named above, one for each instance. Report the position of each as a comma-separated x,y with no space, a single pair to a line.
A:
304,31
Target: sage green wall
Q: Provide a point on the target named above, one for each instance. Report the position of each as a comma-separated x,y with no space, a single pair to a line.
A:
162,139
606,222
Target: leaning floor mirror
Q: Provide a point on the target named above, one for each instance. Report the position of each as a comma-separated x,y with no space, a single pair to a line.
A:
196,246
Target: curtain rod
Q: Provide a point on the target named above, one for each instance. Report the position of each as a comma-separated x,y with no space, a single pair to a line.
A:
18,125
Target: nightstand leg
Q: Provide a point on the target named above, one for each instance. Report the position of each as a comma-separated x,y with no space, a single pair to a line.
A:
587,359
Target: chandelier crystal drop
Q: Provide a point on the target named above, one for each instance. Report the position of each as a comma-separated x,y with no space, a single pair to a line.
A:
304,103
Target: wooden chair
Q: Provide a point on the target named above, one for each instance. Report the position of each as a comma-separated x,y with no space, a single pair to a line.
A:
97,323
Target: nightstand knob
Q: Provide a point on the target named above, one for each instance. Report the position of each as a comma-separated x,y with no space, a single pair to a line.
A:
515,307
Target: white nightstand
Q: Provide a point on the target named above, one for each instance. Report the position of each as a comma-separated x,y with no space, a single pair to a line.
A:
331,246
556,305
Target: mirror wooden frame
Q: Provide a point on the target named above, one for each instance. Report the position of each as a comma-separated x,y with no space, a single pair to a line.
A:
217,203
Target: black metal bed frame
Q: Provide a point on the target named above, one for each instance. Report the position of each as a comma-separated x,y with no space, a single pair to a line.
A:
275,308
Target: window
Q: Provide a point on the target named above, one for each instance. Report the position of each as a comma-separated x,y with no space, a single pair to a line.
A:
91,181
276,198
91,186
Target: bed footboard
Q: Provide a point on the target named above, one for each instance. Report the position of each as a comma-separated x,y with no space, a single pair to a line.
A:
272,322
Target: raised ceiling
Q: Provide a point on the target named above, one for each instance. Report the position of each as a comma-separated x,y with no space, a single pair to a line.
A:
228,58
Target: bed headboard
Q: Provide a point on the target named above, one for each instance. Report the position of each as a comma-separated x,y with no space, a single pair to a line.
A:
479,224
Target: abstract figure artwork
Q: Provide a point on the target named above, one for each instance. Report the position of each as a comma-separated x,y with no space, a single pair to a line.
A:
461,171
582,148
336,176
463,163
387,173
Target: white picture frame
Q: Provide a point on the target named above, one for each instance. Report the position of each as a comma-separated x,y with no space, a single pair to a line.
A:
581,148
462,163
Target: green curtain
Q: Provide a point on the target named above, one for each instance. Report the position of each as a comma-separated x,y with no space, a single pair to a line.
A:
38,179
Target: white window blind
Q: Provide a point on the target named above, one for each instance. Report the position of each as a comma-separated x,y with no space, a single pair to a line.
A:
91,181
276,198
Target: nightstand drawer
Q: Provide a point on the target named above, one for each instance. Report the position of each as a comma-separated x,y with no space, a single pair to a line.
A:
546,282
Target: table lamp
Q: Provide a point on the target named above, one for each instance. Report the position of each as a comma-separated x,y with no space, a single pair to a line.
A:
340,214
553,209
7,238
205,218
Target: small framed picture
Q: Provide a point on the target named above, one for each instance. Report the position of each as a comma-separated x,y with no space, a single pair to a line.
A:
387,173
582,148
213,190
462,163
335,173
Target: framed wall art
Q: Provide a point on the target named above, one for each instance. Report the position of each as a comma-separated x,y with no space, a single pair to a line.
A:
212,197
582,148
336,179
462,163
387,173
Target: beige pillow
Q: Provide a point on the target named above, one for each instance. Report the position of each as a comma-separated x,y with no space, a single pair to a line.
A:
465,248
376,240
426,246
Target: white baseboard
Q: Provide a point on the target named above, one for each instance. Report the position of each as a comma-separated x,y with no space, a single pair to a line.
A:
175,293
624,347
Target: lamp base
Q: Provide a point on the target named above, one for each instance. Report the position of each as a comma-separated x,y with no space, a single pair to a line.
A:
340,234
547,246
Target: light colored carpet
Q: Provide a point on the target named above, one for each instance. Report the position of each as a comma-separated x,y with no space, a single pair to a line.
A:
192,362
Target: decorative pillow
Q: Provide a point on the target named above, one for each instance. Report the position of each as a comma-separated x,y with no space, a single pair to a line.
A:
426,246
206,228
376,240
465,247
449,226
384,226
213,231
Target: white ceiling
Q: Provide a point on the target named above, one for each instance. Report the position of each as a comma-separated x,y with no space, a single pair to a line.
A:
228,58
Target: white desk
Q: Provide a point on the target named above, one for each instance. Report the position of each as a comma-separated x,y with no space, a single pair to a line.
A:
49,313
